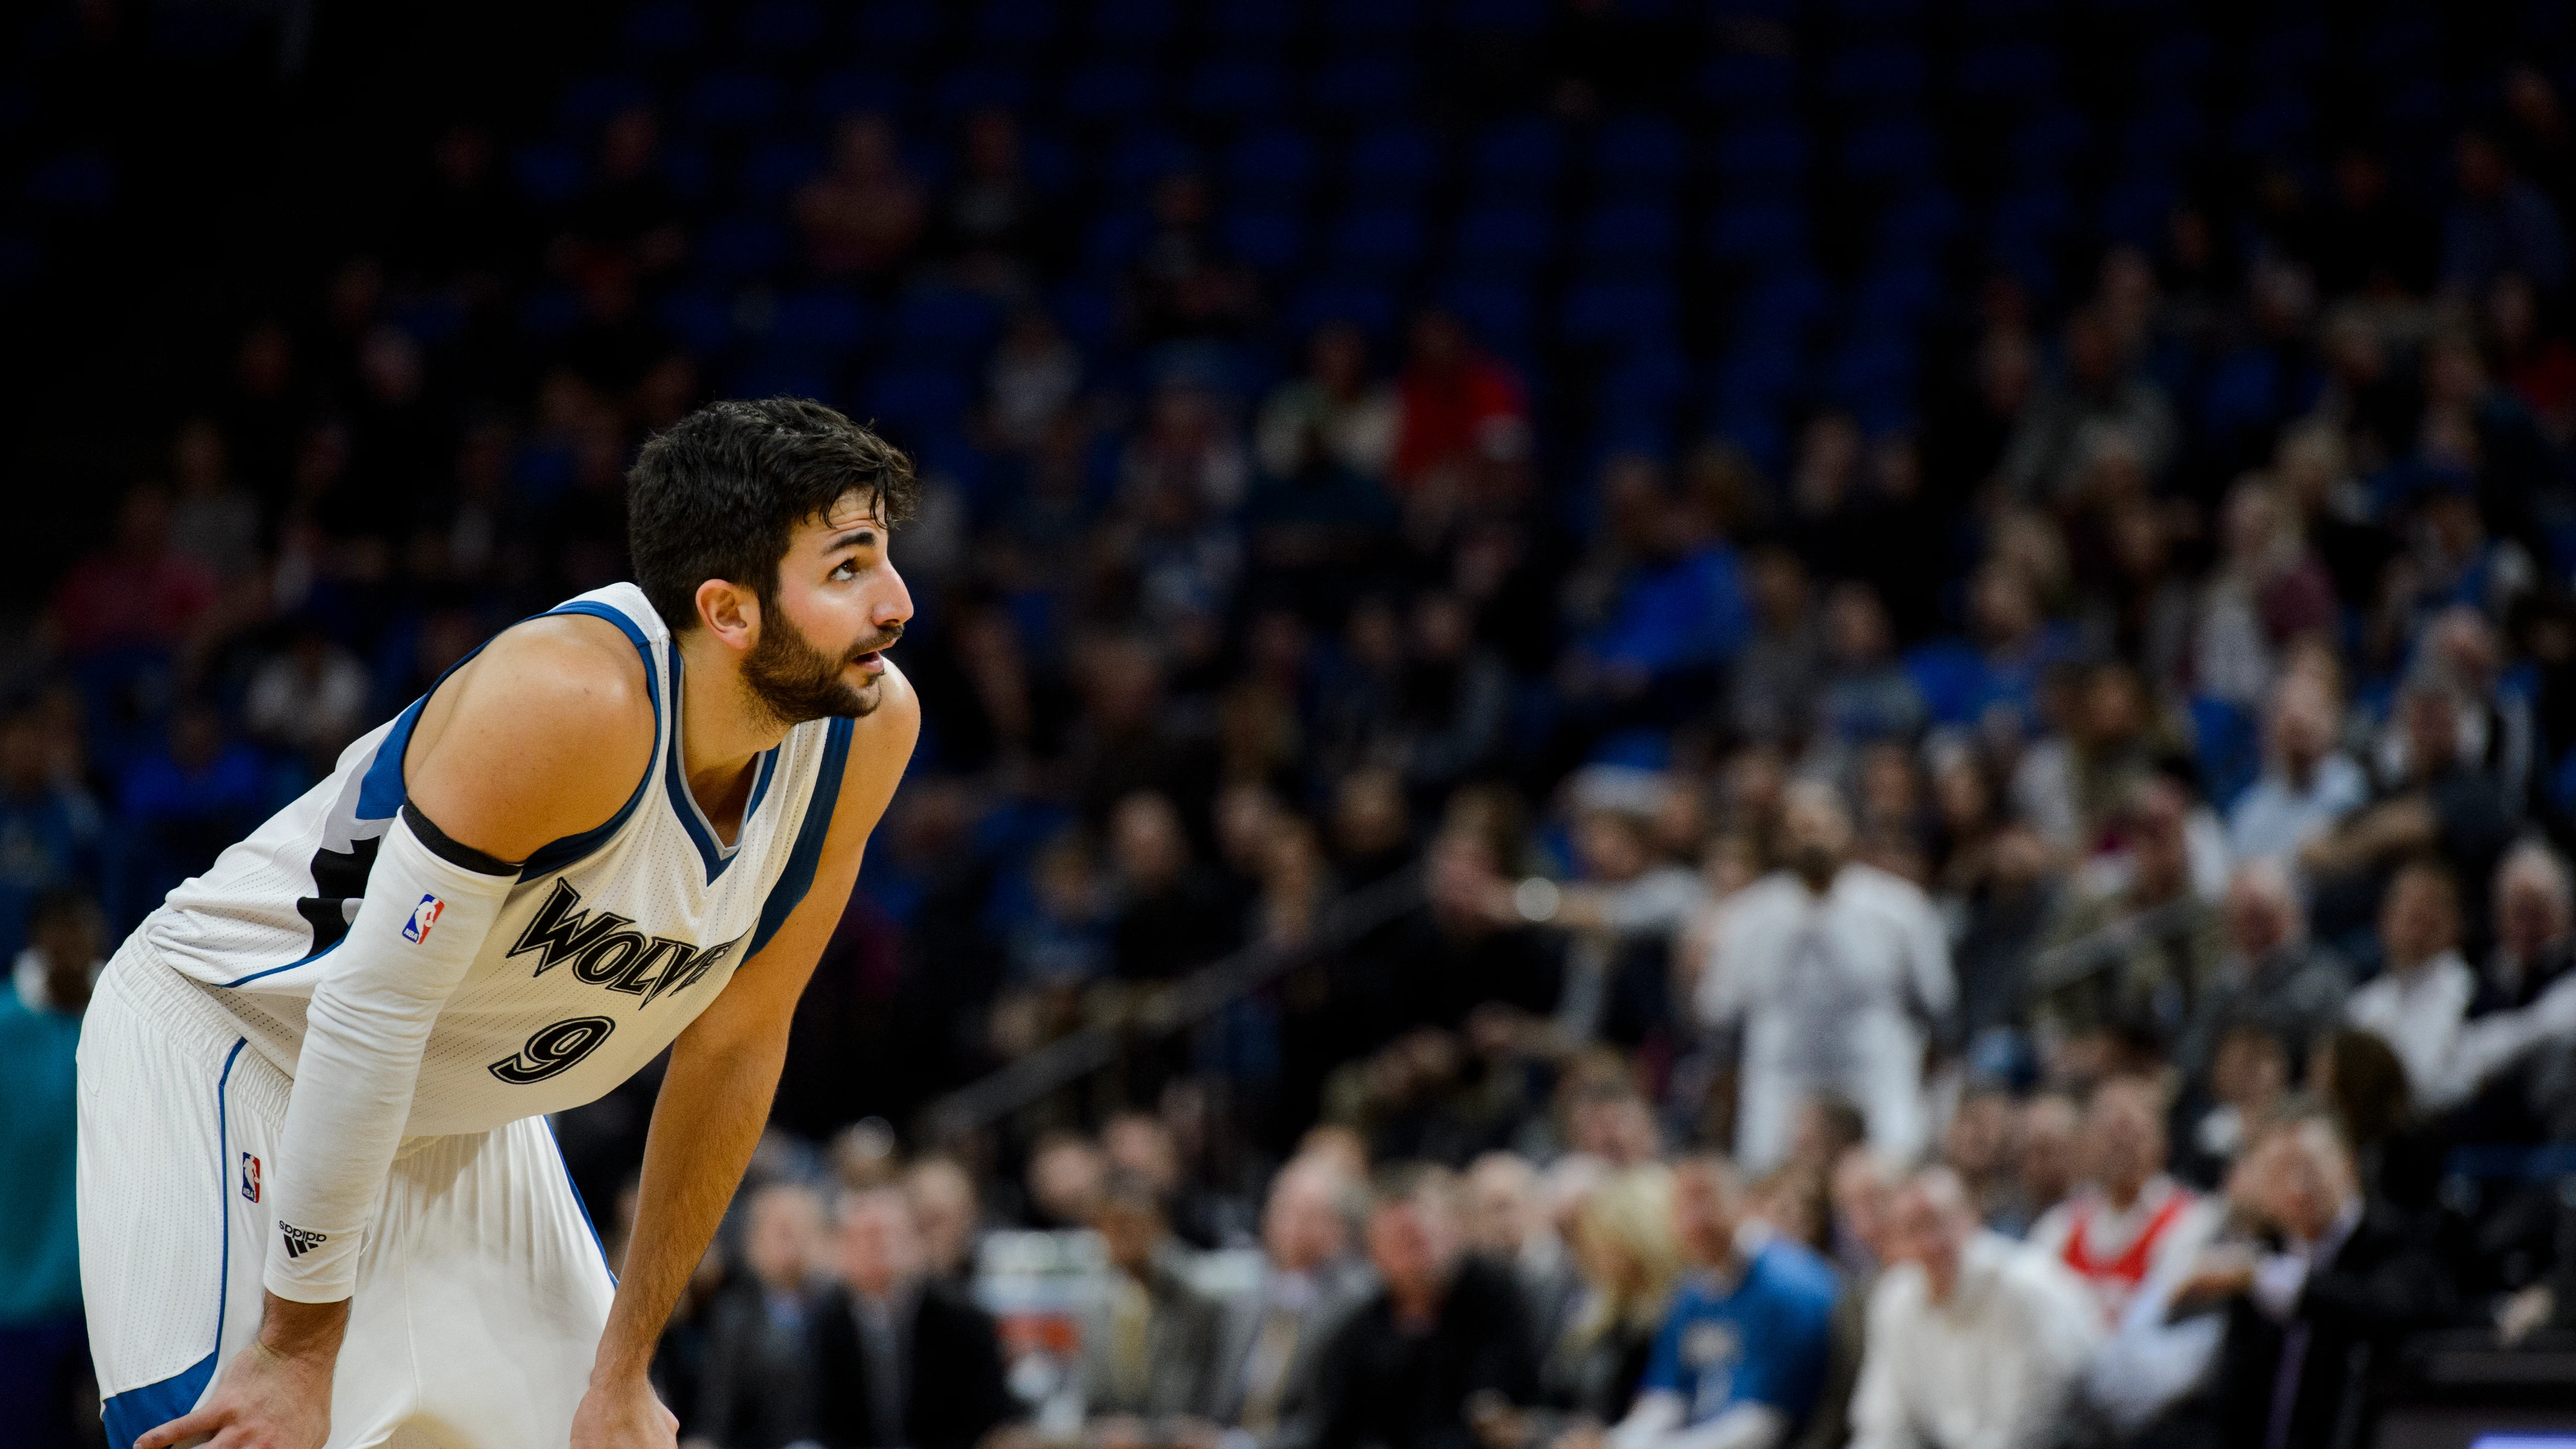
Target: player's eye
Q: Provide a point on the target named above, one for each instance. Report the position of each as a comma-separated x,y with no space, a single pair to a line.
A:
849,569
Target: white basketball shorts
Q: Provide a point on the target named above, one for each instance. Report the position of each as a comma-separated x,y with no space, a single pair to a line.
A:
481,1289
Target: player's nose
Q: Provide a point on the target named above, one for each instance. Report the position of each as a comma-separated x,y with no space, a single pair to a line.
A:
893,604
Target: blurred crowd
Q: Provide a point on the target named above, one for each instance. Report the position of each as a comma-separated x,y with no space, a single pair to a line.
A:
2026,904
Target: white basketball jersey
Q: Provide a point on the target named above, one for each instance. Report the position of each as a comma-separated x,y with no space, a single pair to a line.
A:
611,942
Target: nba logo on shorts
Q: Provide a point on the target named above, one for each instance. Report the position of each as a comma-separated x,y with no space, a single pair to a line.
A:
423,916
250,1178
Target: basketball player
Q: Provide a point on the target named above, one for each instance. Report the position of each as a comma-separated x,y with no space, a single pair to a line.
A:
319,1201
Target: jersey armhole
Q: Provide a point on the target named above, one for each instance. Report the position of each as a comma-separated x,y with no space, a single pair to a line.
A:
798,877
383,792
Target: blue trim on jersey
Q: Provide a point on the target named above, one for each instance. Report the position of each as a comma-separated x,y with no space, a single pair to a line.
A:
577,1200
570,851
714,854
273,970
138,1411
798,877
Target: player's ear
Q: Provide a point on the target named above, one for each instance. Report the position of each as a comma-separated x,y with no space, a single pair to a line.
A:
730,612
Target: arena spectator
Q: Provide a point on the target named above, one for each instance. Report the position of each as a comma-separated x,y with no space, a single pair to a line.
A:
2049,1168
2129,1221
1509,1227
2499,222
1335,414
2148,974
2271,977
1973,1339
1832,966
1149,1351
756,1387
1276,1335
863,216
51,831
2308,1321
2307,784
42,1345
948,1214
1741,1358
1464,416
1445,1335
900,1359
2420,1002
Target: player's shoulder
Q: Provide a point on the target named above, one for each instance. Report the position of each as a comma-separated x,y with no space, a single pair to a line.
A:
881,740
555,718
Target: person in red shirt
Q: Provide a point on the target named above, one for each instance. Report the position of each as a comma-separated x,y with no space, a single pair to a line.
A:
2129,1220
137,592
1464,412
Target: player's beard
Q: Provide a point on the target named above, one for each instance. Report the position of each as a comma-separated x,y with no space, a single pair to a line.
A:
794,681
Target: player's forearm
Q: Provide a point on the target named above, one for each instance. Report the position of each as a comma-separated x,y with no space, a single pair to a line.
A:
706,1121
296,1330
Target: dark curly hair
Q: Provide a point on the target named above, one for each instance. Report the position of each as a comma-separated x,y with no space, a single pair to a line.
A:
719,493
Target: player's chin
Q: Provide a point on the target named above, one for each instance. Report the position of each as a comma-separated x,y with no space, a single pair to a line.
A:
860,699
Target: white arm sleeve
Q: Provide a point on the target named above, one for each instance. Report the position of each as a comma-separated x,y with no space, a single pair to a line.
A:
430,902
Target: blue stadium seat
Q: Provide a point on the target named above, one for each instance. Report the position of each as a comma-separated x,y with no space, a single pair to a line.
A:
1133,25
1372,22
775,169
823,322
841,92
1252,22
1392,161
943,324
1758,373
2045,145
2013,72
1784,304
1360,86
550,173
2039,215
895,31
1919,222
1897,294
550,311
588,102
701,318
1087,312
2005,17
1113,237
1115,90
2416,108
1516,18
920,401
1366,304
2134,209
1630,234
1742,83
689,168
735,101
2161,136
980,87
1140,158
1278,163
1237,87
790,30
2273,123
1889,151
1016,27
2288,52
659,29
1758,232
1876,78
1268,237
2175,65
1376,240
1502,240
2396,46
1764,156
1498,314
1620,311
1518,159
736,248
1634,155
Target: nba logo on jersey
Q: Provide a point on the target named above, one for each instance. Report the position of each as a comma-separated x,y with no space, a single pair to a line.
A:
250,1178
423,916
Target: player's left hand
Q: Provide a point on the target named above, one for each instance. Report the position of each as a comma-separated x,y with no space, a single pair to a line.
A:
623,1414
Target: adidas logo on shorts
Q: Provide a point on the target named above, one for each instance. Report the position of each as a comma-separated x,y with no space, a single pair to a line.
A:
300,1241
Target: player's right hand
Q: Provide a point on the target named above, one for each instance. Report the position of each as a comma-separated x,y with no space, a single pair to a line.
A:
264,1400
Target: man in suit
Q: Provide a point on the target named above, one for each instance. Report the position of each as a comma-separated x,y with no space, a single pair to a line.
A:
1309,1284
757,1388
1445,1337
1149,1347
900,1361
2309,1323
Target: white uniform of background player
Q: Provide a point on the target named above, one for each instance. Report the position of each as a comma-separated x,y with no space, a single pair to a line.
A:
320,1070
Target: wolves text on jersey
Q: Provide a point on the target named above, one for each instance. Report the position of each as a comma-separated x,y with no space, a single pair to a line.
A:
602,952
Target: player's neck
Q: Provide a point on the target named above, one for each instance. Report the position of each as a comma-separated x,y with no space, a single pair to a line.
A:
723,731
